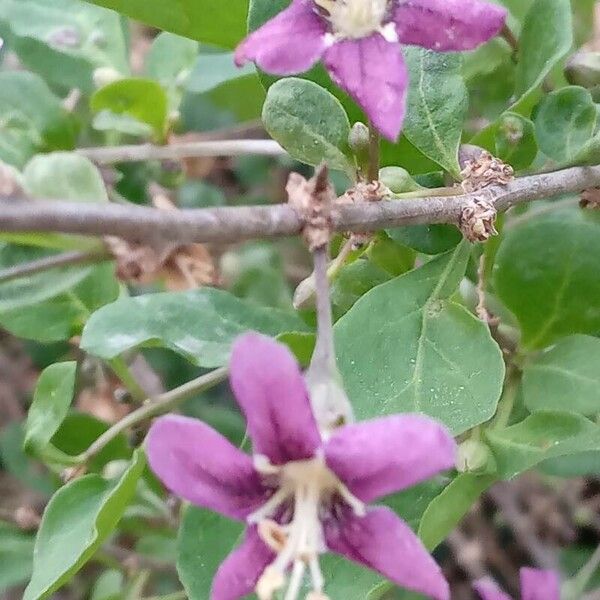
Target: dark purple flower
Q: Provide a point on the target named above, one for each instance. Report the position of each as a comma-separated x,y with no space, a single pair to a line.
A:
301,495
535,585
359,42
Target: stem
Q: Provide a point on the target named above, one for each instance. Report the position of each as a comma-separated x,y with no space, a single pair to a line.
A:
107,155
329,401
373,172
122,371
507,402
160,405
234,224
512,41
65,259
324,350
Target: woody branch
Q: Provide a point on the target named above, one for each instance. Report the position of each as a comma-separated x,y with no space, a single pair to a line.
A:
232,224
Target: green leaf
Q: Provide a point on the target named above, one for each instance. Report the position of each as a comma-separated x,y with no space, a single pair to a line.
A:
143,100
65,40
64,176
79,430
170,60
199,324
565,375
212,70
406,347
446,510
564,121
51,401
546,37
63,316
32,118
25,291
16,556
354,281
77,520
437,105
427,239
223,24
308,122
205,539
515,141
541,436
546,274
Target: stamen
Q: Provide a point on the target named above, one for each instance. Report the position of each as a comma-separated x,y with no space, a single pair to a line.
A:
267,509
264,466
270,582
316,574
295,580
359,508
273,535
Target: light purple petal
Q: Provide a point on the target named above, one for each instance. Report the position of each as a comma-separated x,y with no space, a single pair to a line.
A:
488,590
239,572
200,465
383,542
389,454
270,390
291,42
448,24
537,584
374,73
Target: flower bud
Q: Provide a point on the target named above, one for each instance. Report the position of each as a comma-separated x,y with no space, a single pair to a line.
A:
473,456
583,69
358,140
398,180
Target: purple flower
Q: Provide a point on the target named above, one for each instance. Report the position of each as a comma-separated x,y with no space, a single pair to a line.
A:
535,585
359,42
301,495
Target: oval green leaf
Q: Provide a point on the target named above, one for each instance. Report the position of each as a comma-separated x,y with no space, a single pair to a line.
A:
406,347
309,122
200,324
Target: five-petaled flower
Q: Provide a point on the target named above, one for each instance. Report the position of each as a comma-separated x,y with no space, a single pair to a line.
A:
299,494
359,42
536,584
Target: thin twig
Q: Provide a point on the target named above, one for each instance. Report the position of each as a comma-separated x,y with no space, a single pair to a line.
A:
373,173
512,41
157,406
140,152
232,224
66,259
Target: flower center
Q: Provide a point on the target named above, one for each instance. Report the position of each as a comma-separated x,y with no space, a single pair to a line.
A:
310,486
354,18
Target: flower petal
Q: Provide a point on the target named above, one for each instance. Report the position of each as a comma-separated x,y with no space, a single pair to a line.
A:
270,390
372,70
200,465
292,42
488,590
448,24
537,584
383,542
389,454
239,572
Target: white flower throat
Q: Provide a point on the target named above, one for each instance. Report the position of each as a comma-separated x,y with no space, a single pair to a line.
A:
309,488
355,18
